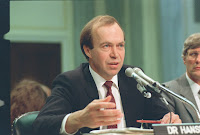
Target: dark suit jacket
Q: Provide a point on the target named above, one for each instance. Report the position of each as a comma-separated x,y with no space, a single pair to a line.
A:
181,87
74,90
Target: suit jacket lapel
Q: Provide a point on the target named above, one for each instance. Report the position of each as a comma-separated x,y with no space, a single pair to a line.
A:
123,89
186,92
90,86
127,98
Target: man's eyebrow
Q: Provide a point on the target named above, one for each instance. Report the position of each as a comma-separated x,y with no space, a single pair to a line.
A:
194,51
123,42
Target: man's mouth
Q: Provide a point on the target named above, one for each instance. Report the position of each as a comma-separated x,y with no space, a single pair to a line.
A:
197,68
114,63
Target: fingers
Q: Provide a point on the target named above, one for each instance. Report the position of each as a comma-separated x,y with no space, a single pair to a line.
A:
112,113
99,108
96,118
107,99
108,117
102,104
109,121
96,114
170,118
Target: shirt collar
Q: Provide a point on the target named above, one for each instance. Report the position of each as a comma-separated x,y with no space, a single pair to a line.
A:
194,86
99,81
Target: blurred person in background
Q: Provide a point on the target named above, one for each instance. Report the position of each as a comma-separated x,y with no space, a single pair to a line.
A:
27,96
188,85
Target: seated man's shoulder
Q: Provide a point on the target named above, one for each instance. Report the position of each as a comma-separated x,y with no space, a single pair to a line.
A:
176,81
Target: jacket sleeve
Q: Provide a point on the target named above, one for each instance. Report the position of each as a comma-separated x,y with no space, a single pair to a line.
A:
57,106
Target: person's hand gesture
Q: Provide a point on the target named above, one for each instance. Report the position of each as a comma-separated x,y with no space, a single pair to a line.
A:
94,115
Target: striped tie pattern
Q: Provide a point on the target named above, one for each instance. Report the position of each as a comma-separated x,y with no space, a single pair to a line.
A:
108,85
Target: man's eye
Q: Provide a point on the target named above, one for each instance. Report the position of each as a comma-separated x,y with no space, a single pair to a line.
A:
106,46
193,54
121,45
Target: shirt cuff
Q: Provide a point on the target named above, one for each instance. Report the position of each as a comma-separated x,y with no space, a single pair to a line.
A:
62,129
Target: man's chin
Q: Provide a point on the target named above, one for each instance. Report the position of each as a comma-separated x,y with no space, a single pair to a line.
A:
113,72
195,75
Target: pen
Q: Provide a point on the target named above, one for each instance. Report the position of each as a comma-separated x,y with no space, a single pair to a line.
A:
149,121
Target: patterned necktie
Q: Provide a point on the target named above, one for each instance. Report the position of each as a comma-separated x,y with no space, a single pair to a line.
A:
108,85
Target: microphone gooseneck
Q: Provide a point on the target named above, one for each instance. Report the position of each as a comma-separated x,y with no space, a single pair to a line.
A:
138,74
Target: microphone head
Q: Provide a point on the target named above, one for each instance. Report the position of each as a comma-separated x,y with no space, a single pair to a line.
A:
136,69
129,72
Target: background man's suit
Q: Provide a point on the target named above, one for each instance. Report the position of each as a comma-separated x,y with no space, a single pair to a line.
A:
74,90
181,87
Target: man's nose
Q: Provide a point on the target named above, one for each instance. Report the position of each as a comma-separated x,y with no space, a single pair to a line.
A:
114,52
198,58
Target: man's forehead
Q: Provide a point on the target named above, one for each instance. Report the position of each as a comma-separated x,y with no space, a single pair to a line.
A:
97,26
195,49
95,30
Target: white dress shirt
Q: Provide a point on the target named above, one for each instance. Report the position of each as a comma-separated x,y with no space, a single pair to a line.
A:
102,91
195,89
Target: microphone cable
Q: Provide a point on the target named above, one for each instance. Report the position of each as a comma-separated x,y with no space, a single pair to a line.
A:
167,105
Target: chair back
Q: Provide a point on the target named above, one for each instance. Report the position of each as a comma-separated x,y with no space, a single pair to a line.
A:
23,124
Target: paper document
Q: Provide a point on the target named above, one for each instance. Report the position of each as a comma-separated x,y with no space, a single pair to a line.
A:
130,130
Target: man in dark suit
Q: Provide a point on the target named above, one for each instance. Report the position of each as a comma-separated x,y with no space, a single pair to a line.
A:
79,103
188,85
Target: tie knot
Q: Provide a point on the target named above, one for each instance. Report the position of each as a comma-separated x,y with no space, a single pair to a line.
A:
108,84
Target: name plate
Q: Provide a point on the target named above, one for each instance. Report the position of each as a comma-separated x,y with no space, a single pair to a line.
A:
177,129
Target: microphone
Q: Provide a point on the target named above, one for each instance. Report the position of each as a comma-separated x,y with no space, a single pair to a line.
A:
152,84
144,80
141,82
130,73
158,88
140,73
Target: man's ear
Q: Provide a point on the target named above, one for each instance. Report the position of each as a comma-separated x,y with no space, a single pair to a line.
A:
184,59
87,51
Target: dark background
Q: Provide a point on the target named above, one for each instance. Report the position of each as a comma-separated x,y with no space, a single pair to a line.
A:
4,69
